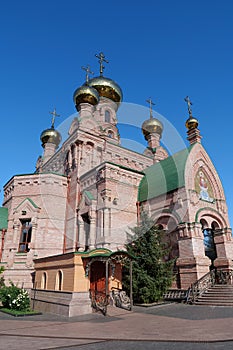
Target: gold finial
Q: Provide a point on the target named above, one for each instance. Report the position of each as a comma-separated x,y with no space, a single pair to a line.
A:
102,59
54,114
189,103
151,103
88,71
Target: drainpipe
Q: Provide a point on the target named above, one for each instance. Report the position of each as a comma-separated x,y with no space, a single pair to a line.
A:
138,212
66,216
2,245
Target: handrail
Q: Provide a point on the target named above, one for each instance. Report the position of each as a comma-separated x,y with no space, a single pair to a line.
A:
224,277
200,286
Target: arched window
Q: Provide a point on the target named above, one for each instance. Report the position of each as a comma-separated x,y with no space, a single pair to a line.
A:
59,280
25,236
208,234
44,281
110,134
107,117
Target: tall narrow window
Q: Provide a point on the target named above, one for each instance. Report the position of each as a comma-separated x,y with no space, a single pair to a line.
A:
25,237
107,117
59,280
44,281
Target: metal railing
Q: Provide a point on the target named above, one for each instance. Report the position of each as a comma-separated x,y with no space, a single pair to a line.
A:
224,277
99,301
200,287
176,295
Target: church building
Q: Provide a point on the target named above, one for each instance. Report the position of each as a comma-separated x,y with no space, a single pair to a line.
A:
62,224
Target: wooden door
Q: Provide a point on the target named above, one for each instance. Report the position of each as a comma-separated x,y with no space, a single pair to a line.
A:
98,277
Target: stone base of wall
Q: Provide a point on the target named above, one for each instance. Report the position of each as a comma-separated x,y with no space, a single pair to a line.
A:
21,277
61,303
192,269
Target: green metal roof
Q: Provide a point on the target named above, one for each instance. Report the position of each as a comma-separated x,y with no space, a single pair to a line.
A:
164,176
27,199
3,218
89,195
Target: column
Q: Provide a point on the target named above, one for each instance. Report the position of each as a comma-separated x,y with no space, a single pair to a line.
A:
92,233
81,235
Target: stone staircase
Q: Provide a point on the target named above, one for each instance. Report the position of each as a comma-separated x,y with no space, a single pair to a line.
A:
217,295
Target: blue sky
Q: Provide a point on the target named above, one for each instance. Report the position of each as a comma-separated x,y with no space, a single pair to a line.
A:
164,49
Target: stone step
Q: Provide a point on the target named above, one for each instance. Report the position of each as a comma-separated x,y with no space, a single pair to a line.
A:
218,295
213,303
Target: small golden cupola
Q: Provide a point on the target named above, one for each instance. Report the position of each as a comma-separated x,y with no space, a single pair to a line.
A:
152,125
86,93
106,87
51,135
192,125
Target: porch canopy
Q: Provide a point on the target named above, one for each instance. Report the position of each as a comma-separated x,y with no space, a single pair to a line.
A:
110,259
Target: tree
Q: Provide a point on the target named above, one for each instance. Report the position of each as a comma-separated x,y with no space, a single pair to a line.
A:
152,272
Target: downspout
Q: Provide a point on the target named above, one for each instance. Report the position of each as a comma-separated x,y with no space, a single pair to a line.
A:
2,245
67,204
138,212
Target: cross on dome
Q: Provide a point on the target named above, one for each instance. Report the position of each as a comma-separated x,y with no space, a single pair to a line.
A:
54,115
151,103
88,71
189,103
102,59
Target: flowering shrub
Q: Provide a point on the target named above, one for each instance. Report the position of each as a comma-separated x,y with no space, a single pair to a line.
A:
14,298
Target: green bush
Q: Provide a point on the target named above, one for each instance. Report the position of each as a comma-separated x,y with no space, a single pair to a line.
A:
14,298
1,278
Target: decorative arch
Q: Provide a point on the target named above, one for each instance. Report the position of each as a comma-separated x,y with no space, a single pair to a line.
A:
210,215
44,280
199,160
59,280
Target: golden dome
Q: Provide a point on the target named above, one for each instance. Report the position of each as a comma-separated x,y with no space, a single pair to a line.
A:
50,135
151,126
85,94
107,88
191,123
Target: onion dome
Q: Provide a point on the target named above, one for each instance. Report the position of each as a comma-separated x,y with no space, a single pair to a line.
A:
191,123
85,94
107,88
50,136
151,126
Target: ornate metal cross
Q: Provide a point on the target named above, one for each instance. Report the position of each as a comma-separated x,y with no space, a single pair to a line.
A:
102,59
54,114
88,71
189,103
151,103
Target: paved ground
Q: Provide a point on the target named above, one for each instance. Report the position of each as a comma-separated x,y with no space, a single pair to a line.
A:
167,327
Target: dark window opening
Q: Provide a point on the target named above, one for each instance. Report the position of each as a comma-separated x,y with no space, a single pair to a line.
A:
210,249
86,221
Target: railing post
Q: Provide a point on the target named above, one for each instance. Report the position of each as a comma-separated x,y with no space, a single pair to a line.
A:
131,284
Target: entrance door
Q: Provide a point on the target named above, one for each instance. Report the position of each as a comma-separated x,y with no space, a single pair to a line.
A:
98,291
98,277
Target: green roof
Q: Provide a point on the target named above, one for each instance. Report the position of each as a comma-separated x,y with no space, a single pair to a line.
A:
164,176
27,199
3,218
89,195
